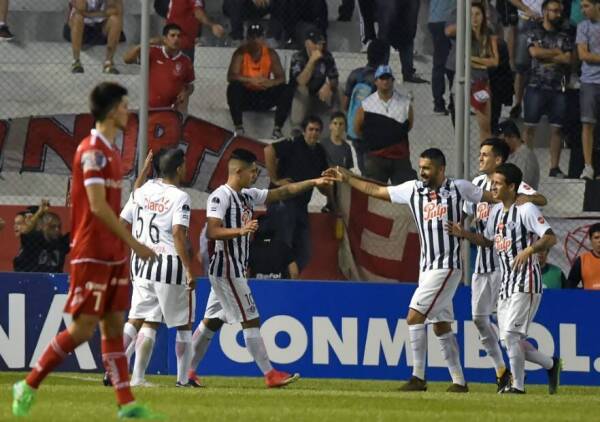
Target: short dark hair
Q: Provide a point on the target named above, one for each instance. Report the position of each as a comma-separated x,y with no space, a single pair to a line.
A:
499,147
436,155
170,27
377,52
594,228
244,155
547,2
512,174
338,115
104,97
169,161
156,161
312,118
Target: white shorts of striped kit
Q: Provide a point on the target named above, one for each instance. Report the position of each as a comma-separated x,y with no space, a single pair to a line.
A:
433,297
516,313
485,290
172,304
230,300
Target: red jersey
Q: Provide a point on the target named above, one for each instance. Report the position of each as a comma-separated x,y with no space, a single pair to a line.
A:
96,161
168,76
181,12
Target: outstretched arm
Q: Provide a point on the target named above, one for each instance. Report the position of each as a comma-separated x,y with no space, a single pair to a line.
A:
292,189
365,186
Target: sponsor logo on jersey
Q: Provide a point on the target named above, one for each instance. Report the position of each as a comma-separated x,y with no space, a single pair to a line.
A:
501,243
159,206
432,211
541,220
93,160
483,211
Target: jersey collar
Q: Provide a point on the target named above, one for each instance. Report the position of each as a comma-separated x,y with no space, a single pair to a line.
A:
175,57
100,136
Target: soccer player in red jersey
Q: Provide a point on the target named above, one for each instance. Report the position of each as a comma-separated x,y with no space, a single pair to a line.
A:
99,282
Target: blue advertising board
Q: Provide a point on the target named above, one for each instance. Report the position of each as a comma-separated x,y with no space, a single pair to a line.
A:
320,329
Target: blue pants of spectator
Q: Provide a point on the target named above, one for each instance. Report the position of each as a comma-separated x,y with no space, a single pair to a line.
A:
441,49
293,227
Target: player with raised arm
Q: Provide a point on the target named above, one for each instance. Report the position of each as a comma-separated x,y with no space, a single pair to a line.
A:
517,233
485,283
99,282
434,201
229,213
159,213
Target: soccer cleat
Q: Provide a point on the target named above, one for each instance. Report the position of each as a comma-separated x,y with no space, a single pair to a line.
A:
414,384
503,382
457,388
76,67
194,383
275,378
513,390
106,380
137,411
180,385
554,376
141,383
23,398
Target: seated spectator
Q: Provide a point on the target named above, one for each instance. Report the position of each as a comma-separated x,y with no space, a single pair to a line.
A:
586,268
314,77
552,275
5,34
550,47
42,250
294,160
383,122
588,49
189,15
171,71
520,155
484,55
359,85
270,257
94,22
257,82
336,148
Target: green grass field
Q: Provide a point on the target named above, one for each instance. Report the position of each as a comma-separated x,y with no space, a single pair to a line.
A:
81,397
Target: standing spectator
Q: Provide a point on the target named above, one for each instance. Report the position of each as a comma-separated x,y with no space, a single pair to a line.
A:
550,47
346,10
367,23
383,122
294,160
19,223
529,12
171,71
5,34
314,76
552,275
397,21
94,22
520,155
588,49
270,257
484,55
257,81
45,250
189,15
359,85
586,268
336,148
439,13
509,19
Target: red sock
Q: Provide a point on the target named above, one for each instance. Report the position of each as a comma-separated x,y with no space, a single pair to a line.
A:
55,353
115,363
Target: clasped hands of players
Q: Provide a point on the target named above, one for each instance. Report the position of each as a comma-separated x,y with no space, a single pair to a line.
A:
338,174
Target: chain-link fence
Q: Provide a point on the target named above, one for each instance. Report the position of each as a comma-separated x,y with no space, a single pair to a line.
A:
44,104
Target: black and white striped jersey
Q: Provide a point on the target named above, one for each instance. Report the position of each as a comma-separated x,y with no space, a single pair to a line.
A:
432,209
230,258
512,231
486,261
153,210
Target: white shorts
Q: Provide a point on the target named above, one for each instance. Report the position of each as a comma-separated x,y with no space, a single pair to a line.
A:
230,300
172,304
516,313
485,289
433,297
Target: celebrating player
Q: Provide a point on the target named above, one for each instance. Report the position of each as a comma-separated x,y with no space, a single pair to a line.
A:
433,201
485,284
159,213
99,286
511,228
229,212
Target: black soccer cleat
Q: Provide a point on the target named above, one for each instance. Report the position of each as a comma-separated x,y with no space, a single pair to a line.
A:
106,380
513,390
503,382
194,383
457,388
414,384
554,375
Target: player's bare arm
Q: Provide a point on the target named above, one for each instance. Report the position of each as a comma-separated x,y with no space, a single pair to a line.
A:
457,230
99,207
343,175
180,240
292,189
217,30
32,224
141,179
543,244
537,199
216,231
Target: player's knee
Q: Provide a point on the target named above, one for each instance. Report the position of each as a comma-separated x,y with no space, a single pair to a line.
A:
213,324
441,328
